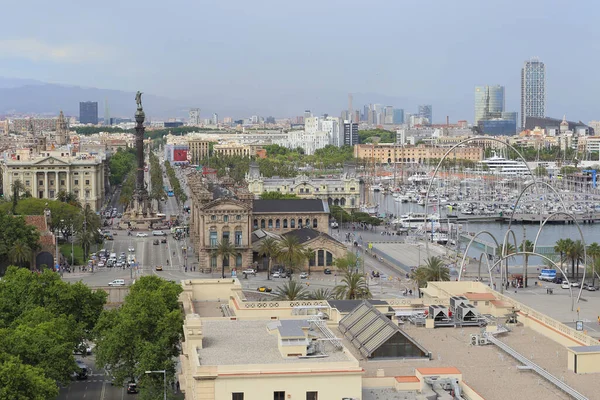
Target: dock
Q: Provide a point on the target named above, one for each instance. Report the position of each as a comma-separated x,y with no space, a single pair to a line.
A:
519,218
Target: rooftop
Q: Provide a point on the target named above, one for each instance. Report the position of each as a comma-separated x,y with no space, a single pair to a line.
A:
238,342
345,306
290,205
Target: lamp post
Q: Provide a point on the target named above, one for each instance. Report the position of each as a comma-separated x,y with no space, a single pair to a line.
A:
162,371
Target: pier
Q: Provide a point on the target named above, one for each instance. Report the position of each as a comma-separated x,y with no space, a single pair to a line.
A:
521,218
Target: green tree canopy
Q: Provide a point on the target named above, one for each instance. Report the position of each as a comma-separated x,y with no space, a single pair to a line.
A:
278,196
120,164
21,381
15,230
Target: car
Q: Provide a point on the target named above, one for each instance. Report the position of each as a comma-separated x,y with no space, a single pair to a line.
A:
327,271
276,275
132,388
141,234
117,282
334,225
574,284
591,288
123,254
131,250
249,271
303,275
155,241
264,289
158,233
101,264
158,268
83,347
163,240
119,264
81,372
565,285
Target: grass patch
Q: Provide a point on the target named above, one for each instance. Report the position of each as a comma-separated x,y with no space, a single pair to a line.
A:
65,249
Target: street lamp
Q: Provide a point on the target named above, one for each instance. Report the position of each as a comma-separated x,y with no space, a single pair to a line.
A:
162,371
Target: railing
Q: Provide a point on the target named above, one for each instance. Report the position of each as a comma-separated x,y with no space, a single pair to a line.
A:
322,326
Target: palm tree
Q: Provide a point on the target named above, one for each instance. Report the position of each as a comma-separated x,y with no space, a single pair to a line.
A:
575,254
432,270
291,252
527,246
20,253
353,286
68,197
85,239
269,248
593,251
291,291
309,254
562,247
225,249
321,294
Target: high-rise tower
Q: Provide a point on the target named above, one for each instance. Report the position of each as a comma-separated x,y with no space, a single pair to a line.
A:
533,90
489,102
61,130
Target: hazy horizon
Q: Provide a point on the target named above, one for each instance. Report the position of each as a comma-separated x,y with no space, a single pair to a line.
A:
275,58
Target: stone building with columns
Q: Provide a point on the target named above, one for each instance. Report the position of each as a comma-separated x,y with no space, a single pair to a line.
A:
44,175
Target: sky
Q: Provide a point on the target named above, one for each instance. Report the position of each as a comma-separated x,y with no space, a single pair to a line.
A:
282,57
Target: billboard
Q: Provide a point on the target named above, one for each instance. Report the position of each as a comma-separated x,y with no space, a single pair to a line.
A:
180,155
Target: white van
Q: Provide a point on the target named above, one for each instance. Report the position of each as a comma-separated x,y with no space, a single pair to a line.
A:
117,282
158,233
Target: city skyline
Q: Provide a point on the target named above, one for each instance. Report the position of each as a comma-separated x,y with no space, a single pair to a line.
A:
288,71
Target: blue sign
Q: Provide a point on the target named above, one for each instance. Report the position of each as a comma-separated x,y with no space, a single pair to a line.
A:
57,267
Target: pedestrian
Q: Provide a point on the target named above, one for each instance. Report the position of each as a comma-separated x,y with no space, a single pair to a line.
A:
494,285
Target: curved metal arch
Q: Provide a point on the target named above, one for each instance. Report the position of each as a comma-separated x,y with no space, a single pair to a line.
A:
462,263
534,183
531,253
452,149
570,215
505,249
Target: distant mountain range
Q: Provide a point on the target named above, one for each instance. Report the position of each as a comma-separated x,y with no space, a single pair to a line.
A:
31,96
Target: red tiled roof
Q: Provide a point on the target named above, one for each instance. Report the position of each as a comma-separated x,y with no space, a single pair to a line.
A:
39,221
407,379
479,296
439,371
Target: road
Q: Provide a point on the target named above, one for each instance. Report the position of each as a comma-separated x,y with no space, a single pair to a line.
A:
96,387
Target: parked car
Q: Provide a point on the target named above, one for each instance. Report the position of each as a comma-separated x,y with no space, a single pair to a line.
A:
591,288
141,234
334,225
565,285
158,268
119,264
249,271
131,250
163,240
327,271
158,233
276,275
100,264
132,388
117,282
155,241
574,284
303,275
264,289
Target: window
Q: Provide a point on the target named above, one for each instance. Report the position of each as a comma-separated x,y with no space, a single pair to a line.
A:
26,183
226,261
278,395
308,190
255,224
238,260
62,182
42,183
312,395
225,236
270,224
213,238
307,223
238,238
51,194
292,223
225,218
328,259
321,256
87,194
262,224
213,261
51,182
277,223
315,223
213,217
77,181
238,218
285,225
237,396
87,181
301,190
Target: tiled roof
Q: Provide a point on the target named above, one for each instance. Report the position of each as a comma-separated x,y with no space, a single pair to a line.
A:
406,379
39,221
479,296
439,371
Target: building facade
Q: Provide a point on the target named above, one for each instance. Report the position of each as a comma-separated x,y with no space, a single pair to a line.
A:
388,153
194,117
45,176
426,111
344,191
489,102
199,150
88,112
533,90
350,133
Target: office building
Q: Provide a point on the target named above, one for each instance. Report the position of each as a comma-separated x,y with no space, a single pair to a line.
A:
215,119
350,133
398,117
425,111
88,112
497,127
533,90
489,102
194,117
388,118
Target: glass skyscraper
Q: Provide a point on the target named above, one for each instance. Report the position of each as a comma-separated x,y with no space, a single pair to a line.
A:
425,111
533,90
489,102
88,112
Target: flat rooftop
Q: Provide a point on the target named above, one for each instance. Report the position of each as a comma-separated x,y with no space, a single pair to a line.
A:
488,370
228,342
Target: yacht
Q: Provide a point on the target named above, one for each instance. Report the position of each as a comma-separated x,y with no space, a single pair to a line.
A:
419,178
501,166
415,220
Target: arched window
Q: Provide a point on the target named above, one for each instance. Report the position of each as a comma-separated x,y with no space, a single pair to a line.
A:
328,259
277,223
315,223
292,223
307,223
262,224
255,224
285,224
270,223
352,202
343,201
320,258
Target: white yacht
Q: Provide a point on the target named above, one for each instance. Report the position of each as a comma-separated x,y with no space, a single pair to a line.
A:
501,166
415,220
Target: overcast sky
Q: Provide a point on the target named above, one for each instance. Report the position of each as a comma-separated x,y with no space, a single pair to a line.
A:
280,57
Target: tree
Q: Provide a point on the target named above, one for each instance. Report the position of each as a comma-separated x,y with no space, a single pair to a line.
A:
20,253
593,251
68,197
21,381
17,187
143,334
349,262
575,254
291,291
277,196
353,286
562,247
321,294
291,252
433,270
269,248
528,247
225,250
14,229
